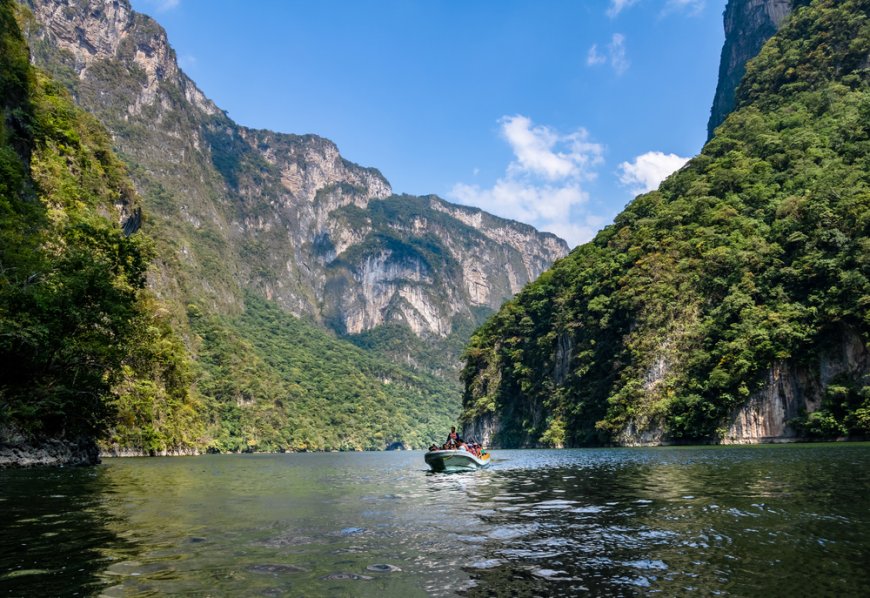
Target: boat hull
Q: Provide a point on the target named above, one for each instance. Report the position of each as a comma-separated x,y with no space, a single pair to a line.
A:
455,461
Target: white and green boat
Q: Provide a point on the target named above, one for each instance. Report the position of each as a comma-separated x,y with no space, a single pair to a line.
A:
455,460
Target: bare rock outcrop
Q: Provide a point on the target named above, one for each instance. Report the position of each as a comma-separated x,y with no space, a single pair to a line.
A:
285,215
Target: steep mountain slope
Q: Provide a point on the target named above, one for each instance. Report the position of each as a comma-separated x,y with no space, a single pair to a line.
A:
238,208
731,304
748,24
237,214
84,346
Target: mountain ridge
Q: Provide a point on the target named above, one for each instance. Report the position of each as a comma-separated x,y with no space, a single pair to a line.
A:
238,216
301,165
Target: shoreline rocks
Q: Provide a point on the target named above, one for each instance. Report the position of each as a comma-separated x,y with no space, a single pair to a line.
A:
20,453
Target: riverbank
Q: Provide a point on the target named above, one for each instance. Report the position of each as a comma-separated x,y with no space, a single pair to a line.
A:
58,453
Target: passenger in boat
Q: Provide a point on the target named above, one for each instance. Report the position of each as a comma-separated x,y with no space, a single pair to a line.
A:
434,447
475,448
453,437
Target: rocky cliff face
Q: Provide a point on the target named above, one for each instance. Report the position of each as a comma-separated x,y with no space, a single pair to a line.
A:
791,391
424,262
235,208
748,24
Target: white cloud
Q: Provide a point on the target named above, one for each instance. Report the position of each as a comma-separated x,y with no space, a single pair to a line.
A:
648,170
616,6
187,61
616,50
543,184
544,152
593,57
615,54
522,200
690,7
163,5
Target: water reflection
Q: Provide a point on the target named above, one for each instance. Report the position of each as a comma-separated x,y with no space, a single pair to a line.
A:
56,535
734,521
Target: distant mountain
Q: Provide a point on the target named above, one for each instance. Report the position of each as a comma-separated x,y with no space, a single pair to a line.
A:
239,208
730,305
238,214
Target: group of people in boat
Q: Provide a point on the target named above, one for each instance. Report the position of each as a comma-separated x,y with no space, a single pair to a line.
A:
456,443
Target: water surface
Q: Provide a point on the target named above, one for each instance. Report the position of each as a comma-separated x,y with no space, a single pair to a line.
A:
742,521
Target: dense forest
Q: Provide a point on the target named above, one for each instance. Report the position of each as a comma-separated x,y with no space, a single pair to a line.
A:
752,259
90,353
755,254
83,343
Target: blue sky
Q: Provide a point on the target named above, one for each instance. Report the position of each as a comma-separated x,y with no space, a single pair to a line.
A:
551,112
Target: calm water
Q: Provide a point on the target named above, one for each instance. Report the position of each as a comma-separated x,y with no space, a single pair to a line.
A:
747,521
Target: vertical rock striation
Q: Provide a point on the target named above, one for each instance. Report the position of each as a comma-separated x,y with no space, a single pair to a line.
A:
235,208
748,24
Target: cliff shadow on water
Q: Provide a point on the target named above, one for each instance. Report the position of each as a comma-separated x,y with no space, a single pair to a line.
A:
58,536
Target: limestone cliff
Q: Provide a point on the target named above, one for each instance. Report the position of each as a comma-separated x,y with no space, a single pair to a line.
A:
748,24
235,208
791,390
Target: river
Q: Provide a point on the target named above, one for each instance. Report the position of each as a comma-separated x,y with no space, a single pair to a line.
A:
735,521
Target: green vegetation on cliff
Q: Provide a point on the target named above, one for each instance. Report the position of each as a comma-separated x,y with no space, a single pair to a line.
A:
88,351
84,347
276,382
756,253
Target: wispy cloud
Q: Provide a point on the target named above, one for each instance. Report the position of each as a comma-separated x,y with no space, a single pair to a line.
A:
614,54
617,6
543,185
648,170
187,61
162,5
594,57
689,7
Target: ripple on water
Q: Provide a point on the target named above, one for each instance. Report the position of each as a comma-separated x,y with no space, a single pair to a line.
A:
383,568
553,574
350,531
554,504
342,576
587,510
273,569
525,553
24,573
285,540
486,564
511,532
651,565
472,539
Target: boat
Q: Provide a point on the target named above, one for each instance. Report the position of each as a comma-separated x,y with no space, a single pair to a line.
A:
455,460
